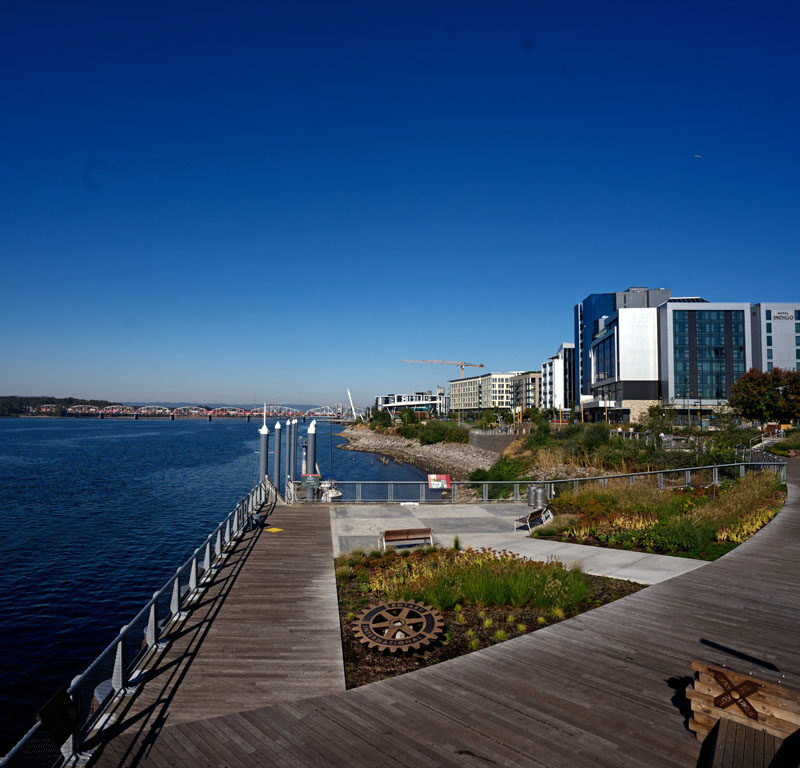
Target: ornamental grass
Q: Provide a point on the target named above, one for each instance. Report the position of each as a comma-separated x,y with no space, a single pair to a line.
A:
482,577
703,522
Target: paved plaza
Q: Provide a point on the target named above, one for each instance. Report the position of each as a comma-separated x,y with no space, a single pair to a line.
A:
358,526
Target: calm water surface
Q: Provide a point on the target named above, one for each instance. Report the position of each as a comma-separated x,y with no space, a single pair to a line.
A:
95,516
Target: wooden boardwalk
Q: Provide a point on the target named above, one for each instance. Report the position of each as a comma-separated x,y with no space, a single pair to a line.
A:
266,631
602,689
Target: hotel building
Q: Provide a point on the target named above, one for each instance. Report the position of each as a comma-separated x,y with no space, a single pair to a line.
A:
776,335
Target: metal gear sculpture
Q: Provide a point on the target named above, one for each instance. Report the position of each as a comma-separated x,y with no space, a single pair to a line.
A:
399,626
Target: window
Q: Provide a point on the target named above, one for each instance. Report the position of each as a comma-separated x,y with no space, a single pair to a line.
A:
769,366
798,366
769,341
797,327
769,327
769,314
769,354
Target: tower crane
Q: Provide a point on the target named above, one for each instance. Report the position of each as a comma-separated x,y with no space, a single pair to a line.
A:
459,363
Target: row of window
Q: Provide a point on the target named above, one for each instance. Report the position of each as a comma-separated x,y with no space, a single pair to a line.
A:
769,366
796,340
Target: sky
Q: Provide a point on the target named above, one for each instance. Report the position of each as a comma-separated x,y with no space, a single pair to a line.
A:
247,201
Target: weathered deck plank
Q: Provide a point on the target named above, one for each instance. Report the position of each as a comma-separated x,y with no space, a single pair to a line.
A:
602,689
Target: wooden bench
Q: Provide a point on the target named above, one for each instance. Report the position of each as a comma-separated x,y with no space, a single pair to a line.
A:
537,517
412,537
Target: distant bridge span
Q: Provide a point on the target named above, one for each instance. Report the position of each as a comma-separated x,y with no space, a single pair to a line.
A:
323,412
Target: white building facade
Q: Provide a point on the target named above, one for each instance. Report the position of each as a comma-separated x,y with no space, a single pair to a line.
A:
557,378
425,402
775,328
491,390
623,360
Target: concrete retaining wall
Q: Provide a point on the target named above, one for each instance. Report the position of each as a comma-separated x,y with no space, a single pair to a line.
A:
495,443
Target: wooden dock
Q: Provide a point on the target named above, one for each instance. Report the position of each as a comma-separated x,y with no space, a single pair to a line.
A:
602,689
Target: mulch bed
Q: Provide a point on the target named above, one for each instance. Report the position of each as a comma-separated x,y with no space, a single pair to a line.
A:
364,665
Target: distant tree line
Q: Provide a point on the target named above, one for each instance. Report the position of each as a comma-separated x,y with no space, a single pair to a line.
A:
16,405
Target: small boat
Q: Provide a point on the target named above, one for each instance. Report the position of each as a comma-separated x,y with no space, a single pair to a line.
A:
328,491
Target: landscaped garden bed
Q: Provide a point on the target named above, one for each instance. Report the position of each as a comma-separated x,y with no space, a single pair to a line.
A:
703,522
484,597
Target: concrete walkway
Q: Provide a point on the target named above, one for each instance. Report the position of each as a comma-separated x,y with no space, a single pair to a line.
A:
492,525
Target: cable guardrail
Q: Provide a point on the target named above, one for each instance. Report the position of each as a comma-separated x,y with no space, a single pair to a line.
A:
478,491
68,723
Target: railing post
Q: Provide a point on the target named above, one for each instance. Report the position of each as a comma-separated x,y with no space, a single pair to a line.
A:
633,480
688,478
660,481
485,491
715,475
575,485
69,749
390,492
118,678
516,491
175,602
453,487
422,491
741,470
207,560
218,544
151,633
358,491
193,573
228,537
603,481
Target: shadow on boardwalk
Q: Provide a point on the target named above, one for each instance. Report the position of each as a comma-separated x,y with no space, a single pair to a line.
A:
606,688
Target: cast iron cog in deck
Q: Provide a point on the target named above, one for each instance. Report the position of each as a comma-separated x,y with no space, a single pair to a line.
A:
398,626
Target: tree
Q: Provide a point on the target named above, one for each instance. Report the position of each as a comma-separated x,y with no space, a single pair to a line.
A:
767,396
381,418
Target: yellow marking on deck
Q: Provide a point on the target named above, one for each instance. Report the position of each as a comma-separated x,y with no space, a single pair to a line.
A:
274,530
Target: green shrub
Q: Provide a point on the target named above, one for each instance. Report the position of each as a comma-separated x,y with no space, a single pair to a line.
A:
483,578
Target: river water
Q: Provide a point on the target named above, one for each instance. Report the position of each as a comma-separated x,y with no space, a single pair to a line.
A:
95,515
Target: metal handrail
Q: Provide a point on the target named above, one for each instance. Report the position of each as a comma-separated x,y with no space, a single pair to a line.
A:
43,752
774,463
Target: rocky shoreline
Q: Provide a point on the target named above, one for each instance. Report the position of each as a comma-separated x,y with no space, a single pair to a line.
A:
454,459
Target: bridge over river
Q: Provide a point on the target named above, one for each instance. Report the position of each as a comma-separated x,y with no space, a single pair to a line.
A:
332,412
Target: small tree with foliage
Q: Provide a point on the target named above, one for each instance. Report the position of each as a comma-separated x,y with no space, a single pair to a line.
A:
767,396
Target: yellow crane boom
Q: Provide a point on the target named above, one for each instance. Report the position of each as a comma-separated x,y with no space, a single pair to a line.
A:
459,363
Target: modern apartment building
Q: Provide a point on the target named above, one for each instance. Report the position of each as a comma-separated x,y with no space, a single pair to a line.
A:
623,360
526,391
558,388
424,402
491,390
775,328
587,317
704,347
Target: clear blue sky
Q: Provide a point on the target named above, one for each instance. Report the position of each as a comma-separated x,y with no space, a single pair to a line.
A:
207,201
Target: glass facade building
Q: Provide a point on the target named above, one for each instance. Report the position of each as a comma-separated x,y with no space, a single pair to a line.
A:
704,348
708,352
